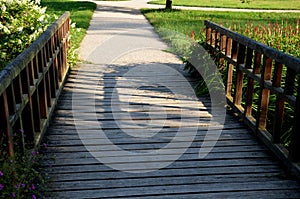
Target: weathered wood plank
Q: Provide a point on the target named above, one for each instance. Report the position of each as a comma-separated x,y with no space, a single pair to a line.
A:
176,189
236,165
274,194
113,174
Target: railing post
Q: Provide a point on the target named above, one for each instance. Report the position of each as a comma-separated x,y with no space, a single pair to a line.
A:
279,108
232,52
250,84
5,127
263,103
208,35
295,136
238,92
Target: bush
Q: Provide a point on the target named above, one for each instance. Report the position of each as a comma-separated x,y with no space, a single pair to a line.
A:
19,177
21,22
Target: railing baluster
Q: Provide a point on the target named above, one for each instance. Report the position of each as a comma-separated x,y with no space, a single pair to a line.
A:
5,128
279,108
18,90
10,93
250,84
264,94
43,100
239,76
30,73
295,135
289,82
233,54
228,46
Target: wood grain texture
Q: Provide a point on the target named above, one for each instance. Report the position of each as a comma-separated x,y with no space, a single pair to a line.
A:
238,166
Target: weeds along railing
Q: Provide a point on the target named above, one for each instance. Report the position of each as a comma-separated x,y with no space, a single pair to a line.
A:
253,68
30,86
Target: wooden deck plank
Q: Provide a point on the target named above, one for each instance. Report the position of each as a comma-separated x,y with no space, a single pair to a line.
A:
178,189
238,165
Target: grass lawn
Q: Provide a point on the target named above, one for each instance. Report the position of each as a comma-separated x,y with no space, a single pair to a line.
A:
257,4
81,14
186,21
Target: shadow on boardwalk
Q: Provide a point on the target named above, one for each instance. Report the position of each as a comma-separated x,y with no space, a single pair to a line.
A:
102,110
236,167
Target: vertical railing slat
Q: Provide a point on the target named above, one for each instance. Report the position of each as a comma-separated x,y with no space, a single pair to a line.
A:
238,92
279,107
5,128
295,135
264,94
11,98
250,84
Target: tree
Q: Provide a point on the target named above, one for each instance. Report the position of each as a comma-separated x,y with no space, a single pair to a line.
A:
169,4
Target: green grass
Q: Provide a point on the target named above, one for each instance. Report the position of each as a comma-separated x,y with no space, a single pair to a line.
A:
186,21
81,14
255,4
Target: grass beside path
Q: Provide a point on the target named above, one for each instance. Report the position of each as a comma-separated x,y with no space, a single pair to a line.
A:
186,21
262,27
81,14
253,4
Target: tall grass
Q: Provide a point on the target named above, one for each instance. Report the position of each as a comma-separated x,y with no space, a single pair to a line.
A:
283,35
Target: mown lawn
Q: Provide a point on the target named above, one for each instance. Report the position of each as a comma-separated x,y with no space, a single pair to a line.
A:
81,14
257,4
186,21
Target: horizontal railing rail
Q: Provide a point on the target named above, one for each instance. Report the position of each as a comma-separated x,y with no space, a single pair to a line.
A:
249,65
30,86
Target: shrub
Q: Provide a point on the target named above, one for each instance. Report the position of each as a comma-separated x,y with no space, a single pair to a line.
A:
21,22
19,177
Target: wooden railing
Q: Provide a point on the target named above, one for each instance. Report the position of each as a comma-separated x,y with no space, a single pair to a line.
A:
249,63
30,86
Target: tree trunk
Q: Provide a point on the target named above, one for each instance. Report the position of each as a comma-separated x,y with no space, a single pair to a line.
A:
169,4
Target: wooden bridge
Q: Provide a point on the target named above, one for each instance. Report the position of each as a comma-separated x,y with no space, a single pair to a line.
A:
114,149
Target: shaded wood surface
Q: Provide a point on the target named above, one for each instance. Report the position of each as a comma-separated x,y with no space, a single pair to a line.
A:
239,166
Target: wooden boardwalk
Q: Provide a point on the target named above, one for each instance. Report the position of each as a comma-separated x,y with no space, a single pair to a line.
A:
239,166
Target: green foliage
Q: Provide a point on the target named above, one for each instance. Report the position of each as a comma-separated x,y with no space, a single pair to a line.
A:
19,177
21,22
81,14
282,35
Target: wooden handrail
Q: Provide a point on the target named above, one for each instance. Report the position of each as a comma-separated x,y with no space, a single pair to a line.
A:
264,66
31,83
